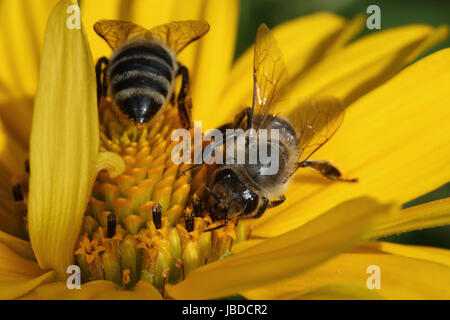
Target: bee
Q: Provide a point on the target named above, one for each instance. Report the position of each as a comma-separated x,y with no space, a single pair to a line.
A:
245,190
140,75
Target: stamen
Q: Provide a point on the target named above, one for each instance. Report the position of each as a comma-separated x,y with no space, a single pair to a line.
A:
126,277
112,267
164,277
179,264
156,211
111,228
191,257
129,252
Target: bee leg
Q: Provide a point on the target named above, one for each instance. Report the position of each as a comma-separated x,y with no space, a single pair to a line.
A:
197,205
100,72
156,215
225,223
193,167
276,203
223,128
326,169
183,99
239,119
262,208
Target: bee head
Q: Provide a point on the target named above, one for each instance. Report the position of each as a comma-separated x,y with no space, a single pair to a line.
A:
230,196
222,204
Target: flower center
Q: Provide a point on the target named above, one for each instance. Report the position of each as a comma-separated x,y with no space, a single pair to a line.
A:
148,223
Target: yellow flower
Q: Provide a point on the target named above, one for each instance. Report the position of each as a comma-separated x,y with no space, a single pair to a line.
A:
317,245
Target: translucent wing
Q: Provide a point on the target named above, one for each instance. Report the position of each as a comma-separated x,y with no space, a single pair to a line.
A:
116,32
315,121
177,35
269,77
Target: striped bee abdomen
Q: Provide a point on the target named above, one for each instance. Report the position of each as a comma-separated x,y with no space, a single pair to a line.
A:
140,77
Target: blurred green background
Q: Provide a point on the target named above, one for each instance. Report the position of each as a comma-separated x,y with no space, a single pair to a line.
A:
393,13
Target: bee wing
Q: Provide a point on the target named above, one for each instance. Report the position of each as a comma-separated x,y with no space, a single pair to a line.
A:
116,32
178,34
315,120
269,77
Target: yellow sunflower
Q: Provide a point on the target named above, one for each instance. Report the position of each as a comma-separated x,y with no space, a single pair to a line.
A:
317,245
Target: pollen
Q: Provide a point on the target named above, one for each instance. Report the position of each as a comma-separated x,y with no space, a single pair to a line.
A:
142,225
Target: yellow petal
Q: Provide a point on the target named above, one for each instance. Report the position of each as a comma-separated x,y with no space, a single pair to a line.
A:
394,140
20,246
64,142
151,13
10,223
241,246
94,290
11,219
367,63
16,112
427,215
21,35
189,10
12,263
13,286
400,277
351,29
90,12
438,35
12,154
213,61
299,55
431,254
17,274
282,257
21,39
339,292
